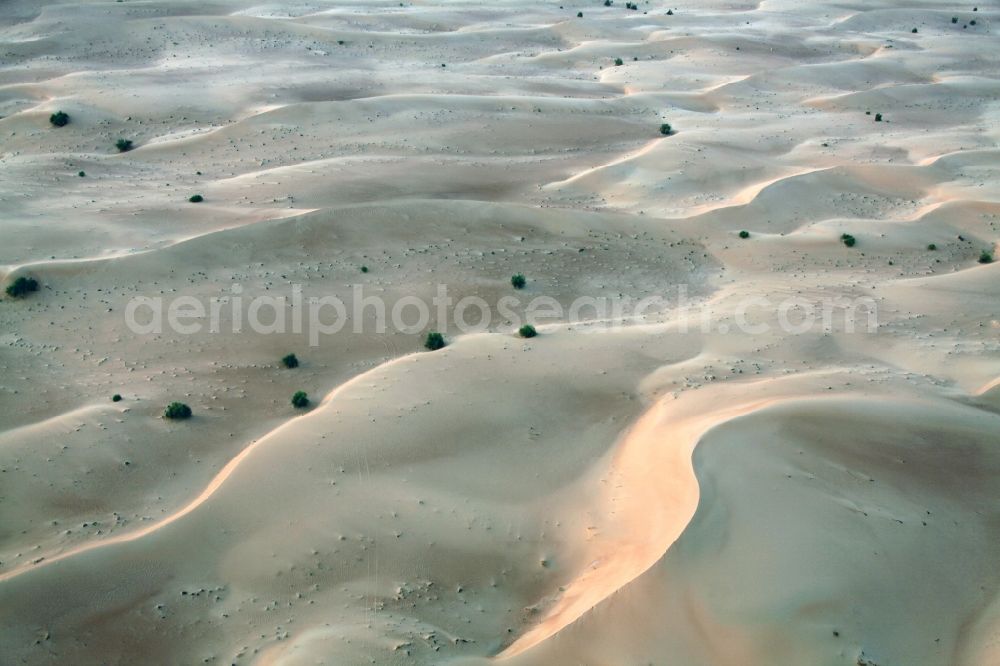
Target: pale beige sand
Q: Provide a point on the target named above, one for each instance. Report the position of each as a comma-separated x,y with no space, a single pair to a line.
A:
648,493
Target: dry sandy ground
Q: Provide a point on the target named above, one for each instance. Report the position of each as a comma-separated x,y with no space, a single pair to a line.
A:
662,489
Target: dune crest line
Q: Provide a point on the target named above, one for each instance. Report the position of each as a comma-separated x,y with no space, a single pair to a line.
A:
661,508
208,491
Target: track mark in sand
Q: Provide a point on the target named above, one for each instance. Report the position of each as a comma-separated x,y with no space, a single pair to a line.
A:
213,485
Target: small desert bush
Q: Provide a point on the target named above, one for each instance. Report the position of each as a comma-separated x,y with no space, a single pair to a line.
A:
123,145
177,410
116,397
878,117
22,286
518,281
434,341
666,129
932,247
848,240
300,399
290,361
527,331
986,257
619,62
59,119
197,198
744,234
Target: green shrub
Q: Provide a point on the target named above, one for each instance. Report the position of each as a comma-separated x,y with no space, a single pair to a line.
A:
116,397
878,117
954,19
364,269
22,286
607,3
619,62
986,257
300,399
177,410
914,31
518,281
59,119
848,240
666,129
434,341
527,331
81,174
579,14
670,12
744,234
123,145
197,198
932,247
290,361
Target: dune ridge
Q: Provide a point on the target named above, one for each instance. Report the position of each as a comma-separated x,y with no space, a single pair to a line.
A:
703,482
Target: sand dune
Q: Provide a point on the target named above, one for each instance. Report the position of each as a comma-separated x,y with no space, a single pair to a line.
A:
700,482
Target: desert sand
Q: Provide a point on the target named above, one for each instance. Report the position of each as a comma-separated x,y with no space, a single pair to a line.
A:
657,488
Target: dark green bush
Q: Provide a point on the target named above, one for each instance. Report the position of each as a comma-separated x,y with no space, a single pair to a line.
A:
518,281
434,341
123,145
527,331
197,198
954,19
666,129
290,361
579,14
300,399
744,234
177,410
116,397
878,117
986,257
932,247
59,119
618,62
848,240
22,286
364,269
914,31
81,174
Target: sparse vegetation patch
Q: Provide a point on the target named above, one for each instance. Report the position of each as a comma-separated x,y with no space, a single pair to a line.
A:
22,286
434,341
177,411
300,399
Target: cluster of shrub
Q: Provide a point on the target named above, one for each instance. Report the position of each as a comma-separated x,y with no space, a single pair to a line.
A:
300,399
